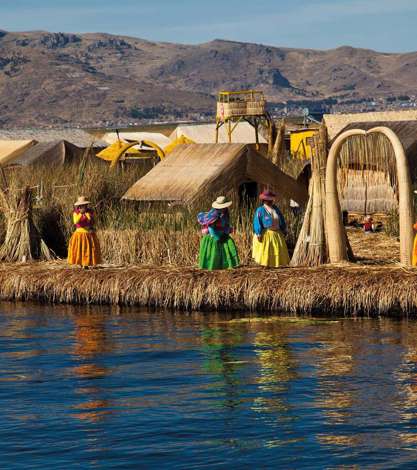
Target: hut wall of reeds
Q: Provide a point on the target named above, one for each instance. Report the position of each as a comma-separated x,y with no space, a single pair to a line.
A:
367,177
193,172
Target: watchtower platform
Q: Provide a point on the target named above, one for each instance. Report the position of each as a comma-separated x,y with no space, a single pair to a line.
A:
236,106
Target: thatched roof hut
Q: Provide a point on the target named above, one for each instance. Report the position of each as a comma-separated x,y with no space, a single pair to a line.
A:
195,171
367,170
11,149
77,137
52,153
335,123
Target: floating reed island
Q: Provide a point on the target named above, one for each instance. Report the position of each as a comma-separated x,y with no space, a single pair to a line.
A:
146,224
337,290
374,285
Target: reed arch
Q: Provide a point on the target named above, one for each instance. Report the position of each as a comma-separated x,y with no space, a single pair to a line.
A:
127,146
334,225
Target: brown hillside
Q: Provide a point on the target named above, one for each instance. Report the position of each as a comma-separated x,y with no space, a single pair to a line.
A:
55,78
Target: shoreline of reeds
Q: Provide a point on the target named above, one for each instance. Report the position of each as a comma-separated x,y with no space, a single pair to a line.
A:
346,290
151,251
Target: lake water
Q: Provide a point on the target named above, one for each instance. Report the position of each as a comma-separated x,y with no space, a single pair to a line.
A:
123,388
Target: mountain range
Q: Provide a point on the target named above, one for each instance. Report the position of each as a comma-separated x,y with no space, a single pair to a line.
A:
97,79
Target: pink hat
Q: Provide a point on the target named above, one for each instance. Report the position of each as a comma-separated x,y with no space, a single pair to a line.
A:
267,195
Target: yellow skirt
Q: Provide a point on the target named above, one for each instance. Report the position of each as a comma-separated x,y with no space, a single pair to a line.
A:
84,249
415,251
272,251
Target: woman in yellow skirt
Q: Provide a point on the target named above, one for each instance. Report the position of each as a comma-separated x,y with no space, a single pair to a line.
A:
84,247
269,248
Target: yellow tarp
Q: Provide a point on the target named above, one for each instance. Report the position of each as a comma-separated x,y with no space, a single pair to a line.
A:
11,149
113,150
182,139
300,144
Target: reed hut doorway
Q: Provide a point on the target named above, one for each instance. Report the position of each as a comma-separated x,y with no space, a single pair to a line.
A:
248,193
334,225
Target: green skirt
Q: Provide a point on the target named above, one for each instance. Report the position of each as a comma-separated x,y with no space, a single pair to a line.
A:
217,254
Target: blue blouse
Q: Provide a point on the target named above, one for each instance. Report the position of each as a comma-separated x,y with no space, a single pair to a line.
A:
262,220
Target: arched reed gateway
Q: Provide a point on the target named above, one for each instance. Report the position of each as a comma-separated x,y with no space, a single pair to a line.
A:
400,174
367,175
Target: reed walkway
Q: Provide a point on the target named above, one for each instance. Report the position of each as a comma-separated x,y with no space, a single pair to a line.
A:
338,290
375,285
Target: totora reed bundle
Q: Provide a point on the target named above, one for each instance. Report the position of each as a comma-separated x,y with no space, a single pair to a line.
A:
278,147
23,241
311,247
312,244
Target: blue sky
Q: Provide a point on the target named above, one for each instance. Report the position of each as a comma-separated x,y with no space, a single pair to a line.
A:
383,25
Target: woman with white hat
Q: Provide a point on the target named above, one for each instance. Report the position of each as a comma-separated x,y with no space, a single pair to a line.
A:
217,248
269,248
84,247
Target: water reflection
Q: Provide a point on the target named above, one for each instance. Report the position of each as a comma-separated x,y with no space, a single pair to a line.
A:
334,361
218,347
91,342
406,377
212,390
277,367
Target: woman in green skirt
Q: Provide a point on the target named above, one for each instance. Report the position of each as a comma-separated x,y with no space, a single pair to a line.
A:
217,248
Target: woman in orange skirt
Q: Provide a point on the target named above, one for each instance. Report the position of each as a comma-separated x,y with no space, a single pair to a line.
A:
84,247
414,261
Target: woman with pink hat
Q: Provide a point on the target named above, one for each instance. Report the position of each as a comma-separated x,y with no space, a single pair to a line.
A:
217,248
269,247
84,247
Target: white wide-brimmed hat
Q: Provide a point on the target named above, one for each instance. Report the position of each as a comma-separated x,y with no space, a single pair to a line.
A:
81,201
221,203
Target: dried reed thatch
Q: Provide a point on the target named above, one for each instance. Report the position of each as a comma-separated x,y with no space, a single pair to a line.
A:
335,123
271,133
348,290
367,175
23,241
375,248
311,248
11,149
77,137
278,146
383,140
48,153
194,171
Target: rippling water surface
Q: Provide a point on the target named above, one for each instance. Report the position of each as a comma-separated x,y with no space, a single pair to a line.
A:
123,388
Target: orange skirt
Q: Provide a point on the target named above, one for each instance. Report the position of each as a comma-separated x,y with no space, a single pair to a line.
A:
415,251
84,249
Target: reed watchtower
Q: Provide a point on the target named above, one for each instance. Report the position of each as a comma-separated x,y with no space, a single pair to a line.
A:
236,106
